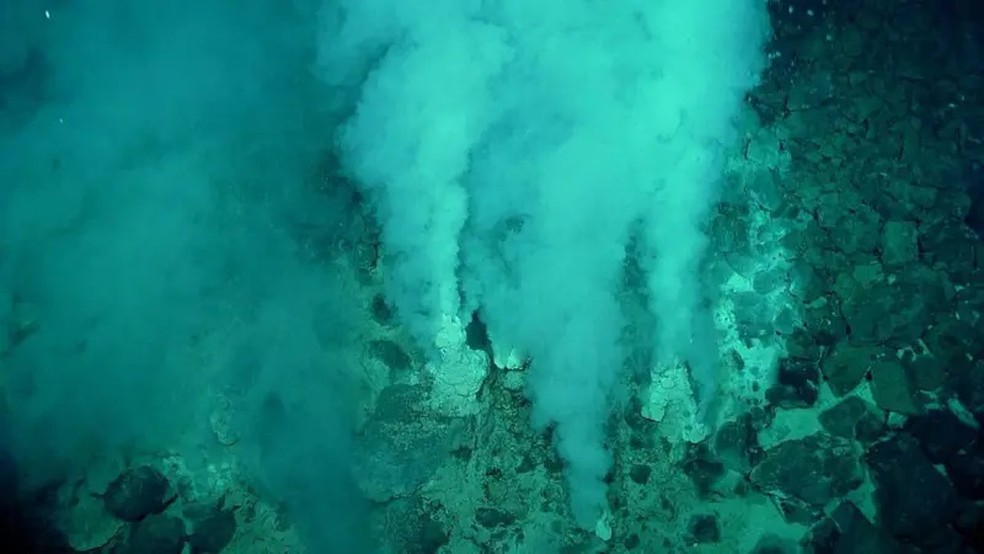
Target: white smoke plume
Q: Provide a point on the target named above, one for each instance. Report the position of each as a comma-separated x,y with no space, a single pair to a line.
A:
512,147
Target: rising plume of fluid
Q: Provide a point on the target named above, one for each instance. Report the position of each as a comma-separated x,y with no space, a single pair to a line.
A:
512,148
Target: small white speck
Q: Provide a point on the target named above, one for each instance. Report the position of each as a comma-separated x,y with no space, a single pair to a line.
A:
47,14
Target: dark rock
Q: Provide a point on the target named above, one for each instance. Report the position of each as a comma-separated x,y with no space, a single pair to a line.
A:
814,469
870,428
794,510
398,403
767,282
398,455
429,536
853,418
934,290
774,545
640,473
966,382
632,415
213,532
822,538
970,525
975,214
415,526
704,529
801,344
966,470
847,531
136,493
156,534
765,187
890,387
899,243
914,500
392,355
925,371
493,517
952,339
730,226
381,311
743,265
770,108
736,443
477,335
897,313
857,232
797,384
949,244
703,473
824,321
969,299
847,365
941,434
753,315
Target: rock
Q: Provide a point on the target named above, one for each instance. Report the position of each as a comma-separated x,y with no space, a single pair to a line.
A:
753,315
966,470
853,418
809,92
136,493
899,243
631,542
640,473
949,244
769,281
824,320
925,371
736,443
493,517
970,524
966,382
704,471
868,274
941,434
895,313
429,535
88,525
415,527
847,531
797,384
392,355
890,387
846,366
852,41
915,501
856,232
156,534
399,450
770,544
814,469
213,532
381,311
703,529
954,338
